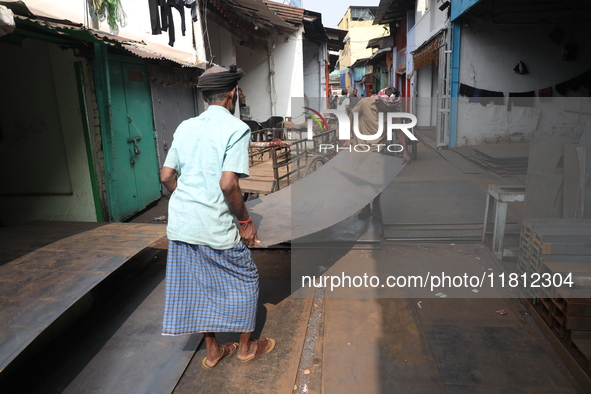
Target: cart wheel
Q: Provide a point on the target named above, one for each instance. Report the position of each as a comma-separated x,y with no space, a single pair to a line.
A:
316,163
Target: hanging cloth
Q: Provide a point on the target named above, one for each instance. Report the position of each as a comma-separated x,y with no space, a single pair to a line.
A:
545,94
158,16
154,17
524,99
481,96
163,14
498,98
475,98
466,91
192,4
179,6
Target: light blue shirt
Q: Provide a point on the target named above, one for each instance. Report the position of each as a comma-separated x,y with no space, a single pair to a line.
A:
202,148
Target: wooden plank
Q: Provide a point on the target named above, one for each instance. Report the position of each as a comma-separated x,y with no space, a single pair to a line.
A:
261,178
38,287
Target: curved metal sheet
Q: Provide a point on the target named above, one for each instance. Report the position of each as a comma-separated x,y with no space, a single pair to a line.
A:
38,287
332,193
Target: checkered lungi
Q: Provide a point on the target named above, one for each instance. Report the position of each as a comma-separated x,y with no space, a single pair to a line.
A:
209,290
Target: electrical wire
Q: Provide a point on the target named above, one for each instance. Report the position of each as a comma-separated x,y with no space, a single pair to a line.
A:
206,27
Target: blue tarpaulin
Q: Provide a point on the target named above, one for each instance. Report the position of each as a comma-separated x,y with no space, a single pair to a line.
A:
358,73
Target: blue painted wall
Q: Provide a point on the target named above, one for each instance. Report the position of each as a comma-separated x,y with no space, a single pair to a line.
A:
455,83
458,7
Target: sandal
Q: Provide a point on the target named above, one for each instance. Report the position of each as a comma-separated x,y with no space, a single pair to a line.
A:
227,350
264,346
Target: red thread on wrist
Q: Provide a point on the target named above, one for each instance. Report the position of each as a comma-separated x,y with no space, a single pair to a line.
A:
245,222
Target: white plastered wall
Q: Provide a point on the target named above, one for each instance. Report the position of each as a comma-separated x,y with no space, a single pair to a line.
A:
314,60
61,122
270,80
286,63
429,21
489,52
255,84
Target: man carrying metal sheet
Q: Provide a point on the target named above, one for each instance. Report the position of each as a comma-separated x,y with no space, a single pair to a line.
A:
368,109
212,283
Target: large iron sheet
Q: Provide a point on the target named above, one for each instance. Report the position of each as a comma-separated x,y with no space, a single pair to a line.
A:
332,193
134,357
464,202
40,286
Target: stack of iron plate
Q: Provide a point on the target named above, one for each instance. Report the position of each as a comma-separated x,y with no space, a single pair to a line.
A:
434,210
503,159
554,268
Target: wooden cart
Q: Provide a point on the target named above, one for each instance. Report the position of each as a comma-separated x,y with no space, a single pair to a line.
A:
282,156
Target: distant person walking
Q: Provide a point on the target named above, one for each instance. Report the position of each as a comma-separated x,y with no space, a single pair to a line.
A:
344,102
368,109
212,283
353,99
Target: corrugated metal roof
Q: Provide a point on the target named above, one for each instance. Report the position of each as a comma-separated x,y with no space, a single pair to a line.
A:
257,10
155,51
360,62
392,10
78,31
381,42
73,30
286,12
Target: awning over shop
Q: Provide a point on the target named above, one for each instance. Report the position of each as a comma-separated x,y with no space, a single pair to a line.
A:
381,42
275,13
336,37
360,62
162,52
66,30
428,53
380,55
392,10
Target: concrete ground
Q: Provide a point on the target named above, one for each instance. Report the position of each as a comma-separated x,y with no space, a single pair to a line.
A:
384,340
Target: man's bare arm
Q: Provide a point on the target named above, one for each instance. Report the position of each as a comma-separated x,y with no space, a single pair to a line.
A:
233,196
168,178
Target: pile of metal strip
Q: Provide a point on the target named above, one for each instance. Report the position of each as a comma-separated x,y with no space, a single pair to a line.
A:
411,210
554,268
504,159
433,233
